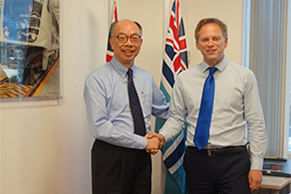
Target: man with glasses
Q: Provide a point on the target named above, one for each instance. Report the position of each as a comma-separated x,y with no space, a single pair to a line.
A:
120,99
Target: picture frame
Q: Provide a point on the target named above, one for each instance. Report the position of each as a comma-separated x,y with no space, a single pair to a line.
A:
29,50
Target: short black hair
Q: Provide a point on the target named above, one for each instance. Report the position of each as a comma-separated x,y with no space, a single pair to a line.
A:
112,26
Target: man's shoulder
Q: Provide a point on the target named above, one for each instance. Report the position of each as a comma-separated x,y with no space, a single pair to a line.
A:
104,69
137,68
191,71
101,73
142,72
239,67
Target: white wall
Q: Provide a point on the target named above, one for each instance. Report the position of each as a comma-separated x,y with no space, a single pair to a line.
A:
45,145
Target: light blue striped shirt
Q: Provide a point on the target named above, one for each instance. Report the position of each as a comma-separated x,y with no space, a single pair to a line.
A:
108,108
236,107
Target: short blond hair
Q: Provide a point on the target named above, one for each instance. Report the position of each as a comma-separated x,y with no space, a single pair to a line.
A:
210,21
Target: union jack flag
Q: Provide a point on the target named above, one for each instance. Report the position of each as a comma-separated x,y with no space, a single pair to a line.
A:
114,17
175,60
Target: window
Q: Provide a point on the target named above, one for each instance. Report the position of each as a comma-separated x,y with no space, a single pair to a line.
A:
265,53
288,78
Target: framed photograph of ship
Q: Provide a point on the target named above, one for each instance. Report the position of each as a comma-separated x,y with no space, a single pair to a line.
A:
29,49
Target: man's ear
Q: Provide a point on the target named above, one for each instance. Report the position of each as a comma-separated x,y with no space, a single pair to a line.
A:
111,43
196,43
225,42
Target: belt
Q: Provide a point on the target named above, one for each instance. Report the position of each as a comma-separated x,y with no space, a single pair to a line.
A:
220,151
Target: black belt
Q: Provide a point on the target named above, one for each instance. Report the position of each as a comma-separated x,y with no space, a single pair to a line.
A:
220,151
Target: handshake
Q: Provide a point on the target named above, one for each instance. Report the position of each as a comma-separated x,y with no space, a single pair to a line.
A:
154,142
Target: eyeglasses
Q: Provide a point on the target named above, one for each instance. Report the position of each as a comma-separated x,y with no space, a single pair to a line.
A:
122,38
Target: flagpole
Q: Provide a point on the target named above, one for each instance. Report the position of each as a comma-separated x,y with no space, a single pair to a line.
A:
166,11
167,5
110,7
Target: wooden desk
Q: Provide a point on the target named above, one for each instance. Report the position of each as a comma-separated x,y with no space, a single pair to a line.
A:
274,185
273,182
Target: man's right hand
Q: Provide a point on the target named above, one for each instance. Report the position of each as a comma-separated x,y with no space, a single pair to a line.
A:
154,142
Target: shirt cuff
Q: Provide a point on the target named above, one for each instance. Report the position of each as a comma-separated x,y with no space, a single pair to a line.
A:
257,163
165,136
140,143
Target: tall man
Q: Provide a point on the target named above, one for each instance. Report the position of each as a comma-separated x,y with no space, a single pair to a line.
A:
219,100
120,98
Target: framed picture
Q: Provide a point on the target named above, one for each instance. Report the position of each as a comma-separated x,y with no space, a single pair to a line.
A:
29,49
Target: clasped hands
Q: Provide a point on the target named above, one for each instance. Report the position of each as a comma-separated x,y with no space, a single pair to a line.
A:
154,142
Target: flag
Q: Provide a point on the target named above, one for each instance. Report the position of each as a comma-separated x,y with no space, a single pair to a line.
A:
114,17
175,60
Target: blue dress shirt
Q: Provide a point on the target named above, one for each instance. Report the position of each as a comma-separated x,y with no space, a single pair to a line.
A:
108,108
236,107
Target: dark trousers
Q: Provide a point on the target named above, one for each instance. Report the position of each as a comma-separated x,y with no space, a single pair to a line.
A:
223,174
119,170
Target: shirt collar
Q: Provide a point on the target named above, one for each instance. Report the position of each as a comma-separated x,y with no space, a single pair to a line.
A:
119,68
220,66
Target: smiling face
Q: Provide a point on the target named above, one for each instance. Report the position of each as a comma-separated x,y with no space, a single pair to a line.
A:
211,43
125,52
